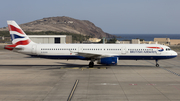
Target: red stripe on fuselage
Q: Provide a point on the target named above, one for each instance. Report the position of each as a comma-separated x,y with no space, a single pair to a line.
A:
155,47
12,28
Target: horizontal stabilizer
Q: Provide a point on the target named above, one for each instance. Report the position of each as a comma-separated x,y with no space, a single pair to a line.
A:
11,47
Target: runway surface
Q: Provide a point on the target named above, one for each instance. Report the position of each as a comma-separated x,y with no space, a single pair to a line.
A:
23,78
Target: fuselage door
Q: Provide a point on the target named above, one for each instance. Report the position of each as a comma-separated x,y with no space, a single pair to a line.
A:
80,49
123,50
33,49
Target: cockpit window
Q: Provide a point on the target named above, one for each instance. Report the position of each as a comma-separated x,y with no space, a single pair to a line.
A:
168,49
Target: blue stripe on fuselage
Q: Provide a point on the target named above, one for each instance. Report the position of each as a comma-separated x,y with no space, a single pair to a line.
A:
61,57
120,57
145,57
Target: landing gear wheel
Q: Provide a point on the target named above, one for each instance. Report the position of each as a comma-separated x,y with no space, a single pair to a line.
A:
157,65
91,64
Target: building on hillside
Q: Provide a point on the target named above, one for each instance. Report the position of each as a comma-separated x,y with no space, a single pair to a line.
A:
135,41
70,22
175,42
163,41
123,42
57,39
94,40
148,42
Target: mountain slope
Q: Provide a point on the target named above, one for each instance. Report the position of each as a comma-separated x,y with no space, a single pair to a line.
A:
64,24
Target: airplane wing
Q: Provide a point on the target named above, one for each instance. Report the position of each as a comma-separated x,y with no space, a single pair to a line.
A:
94,55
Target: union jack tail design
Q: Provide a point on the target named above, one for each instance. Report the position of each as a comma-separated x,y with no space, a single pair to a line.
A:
18,36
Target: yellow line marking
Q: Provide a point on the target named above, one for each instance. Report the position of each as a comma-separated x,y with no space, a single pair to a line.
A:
72,91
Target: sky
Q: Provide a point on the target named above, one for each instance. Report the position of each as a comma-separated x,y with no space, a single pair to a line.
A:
112,16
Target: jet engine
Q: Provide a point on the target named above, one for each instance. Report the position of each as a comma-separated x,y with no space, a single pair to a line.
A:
108,60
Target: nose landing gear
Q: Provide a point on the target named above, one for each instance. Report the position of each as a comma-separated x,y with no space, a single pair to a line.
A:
157,65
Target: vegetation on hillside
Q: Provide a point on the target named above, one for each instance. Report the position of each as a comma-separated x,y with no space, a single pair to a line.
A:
112,40
4,33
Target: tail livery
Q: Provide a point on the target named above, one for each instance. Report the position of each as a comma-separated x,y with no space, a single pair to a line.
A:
18,36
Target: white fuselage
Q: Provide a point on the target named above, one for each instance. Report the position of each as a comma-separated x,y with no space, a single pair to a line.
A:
122,51
108,54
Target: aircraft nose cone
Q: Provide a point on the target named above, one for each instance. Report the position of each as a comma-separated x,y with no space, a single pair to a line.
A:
174,53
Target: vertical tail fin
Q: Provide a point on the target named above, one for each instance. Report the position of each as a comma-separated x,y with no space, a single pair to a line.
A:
18,36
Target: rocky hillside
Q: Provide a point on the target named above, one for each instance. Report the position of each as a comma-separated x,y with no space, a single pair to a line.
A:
64,24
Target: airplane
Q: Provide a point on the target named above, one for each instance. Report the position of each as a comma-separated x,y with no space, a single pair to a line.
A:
106,54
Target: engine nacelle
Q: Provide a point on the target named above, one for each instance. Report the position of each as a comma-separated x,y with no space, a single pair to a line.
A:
108,60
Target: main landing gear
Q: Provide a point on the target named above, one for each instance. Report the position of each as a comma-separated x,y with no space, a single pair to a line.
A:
91,64
157,65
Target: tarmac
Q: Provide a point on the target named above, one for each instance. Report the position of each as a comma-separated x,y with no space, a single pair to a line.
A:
23,78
